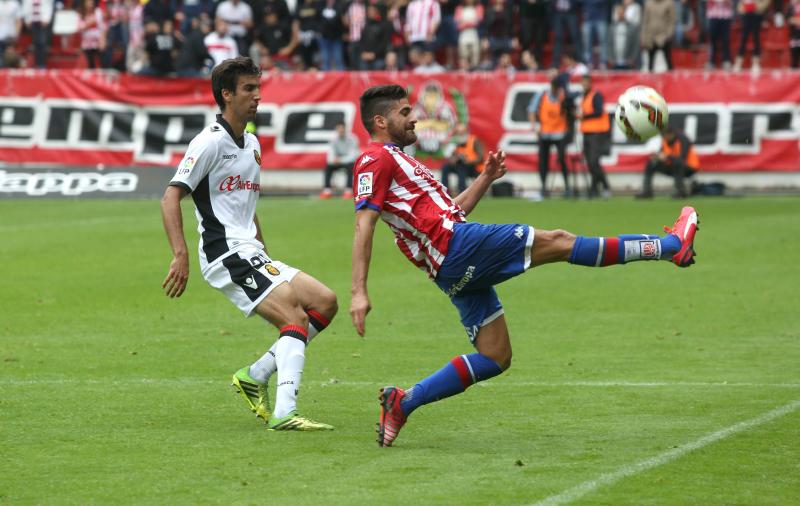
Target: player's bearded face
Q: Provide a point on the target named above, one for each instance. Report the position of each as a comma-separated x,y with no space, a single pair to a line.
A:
400,124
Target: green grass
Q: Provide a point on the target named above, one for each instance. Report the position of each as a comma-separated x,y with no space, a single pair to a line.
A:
112,393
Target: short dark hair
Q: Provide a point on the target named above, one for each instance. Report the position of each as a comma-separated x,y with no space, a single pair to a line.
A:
225,76
377,100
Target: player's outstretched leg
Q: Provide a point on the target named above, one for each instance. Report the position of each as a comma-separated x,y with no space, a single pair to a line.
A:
677,246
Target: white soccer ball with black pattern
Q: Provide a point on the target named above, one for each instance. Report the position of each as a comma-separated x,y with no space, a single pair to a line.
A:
641,113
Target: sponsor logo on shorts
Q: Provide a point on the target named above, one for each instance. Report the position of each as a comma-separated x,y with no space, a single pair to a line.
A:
462,282
472,332
518,232
250,282
232,183
272,269
364,184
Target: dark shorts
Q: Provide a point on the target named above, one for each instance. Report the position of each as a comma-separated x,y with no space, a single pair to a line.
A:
479,257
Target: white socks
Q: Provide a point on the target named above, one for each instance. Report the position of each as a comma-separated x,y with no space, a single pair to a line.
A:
290,358
263,368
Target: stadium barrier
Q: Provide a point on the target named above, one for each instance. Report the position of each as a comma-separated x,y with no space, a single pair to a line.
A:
739,121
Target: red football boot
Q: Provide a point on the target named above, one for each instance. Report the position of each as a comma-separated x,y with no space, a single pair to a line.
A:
684,229
392,417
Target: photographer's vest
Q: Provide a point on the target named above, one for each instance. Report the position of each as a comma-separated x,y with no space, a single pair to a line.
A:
551,114
470,154
675,150
600,124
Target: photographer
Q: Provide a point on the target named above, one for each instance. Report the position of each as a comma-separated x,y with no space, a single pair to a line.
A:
464,156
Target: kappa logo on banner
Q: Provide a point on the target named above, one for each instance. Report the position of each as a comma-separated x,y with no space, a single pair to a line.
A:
70,183
364,184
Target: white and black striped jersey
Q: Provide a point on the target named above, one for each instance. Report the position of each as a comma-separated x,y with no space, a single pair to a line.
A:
223,174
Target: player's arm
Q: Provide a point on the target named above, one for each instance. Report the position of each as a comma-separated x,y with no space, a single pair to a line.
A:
495,168
362,253
177,277
259,236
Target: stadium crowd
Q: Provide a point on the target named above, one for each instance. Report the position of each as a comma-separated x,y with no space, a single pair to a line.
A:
188,37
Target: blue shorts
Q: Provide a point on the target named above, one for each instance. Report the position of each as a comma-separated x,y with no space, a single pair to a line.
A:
479,257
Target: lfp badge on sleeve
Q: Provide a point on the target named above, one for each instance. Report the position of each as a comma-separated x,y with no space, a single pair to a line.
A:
364,184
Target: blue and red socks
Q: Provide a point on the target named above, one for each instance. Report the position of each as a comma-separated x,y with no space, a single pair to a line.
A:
460,373
603,251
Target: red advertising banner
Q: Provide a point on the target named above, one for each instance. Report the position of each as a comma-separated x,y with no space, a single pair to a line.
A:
738,121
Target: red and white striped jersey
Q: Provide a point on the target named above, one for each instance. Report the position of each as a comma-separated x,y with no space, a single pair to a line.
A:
410,200
422,18
357,16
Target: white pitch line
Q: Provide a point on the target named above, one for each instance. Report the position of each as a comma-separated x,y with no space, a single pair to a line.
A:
500,383
575,493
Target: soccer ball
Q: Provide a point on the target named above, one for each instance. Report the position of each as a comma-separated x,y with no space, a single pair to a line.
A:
641,113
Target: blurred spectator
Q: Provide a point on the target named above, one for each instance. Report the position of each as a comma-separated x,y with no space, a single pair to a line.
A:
428,64
547,112
527,61
220,45
355,18
117,34
752,15
624,35
191,10
534,29
162,47
505,64
398,38
391,63
499,25
159,11
469,16
595,22
10,25
376,39
564,14
447,34
342,153
10,58
422,21
135,57
93,33
720,17
331,31
239,17
37,15
658,28
793,15
677,159
277,37
464,153
193,58
280,7
306,23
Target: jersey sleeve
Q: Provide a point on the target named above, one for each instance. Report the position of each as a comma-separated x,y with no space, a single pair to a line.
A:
371,181
195,165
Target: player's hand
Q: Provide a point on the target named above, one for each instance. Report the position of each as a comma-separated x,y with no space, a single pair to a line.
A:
177,277
495,167
359,307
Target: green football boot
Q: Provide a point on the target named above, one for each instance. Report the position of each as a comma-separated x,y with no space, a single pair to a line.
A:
255,394
293,421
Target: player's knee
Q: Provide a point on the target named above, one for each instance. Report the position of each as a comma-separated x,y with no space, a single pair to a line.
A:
329,303
561,235
505,360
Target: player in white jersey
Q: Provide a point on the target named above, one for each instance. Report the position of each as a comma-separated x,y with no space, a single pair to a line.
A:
221,170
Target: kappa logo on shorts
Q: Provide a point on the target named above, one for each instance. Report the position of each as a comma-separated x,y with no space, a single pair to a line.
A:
364,184
272,269
250,282
518,232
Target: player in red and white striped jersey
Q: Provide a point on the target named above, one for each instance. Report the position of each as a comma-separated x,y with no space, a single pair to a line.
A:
465,260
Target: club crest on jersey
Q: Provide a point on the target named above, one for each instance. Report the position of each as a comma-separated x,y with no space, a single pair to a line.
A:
257,157
272,269
364,184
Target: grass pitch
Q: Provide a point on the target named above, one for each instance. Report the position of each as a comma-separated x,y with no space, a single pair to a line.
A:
637,384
